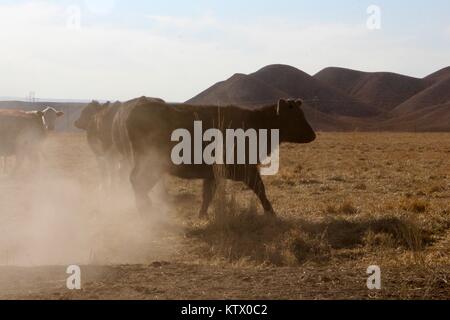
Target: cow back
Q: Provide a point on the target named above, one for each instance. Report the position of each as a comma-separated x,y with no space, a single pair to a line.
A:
17,129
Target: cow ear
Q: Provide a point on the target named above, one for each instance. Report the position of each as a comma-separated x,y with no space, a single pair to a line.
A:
299,102
59,114
281,104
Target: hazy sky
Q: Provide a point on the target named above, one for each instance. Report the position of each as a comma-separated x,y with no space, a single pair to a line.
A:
117,49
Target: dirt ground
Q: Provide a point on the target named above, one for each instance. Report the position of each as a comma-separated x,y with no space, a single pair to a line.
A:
344,203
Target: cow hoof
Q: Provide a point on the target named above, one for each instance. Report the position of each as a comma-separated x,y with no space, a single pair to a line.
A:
144,208
203,216
270,213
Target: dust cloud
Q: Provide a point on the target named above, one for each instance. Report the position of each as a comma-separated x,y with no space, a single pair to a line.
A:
57,215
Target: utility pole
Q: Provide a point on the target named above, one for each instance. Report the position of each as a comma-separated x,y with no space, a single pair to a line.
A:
32,96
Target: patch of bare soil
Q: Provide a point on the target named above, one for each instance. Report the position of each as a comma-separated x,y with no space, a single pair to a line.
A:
166,280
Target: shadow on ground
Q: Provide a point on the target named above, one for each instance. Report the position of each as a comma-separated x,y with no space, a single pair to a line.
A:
278,241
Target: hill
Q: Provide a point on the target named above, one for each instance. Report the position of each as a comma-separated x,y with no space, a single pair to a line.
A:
432,119
439,75
438,93
383,90
240,89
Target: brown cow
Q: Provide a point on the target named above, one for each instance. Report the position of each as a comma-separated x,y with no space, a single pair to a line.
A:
99,121
21,134
150,126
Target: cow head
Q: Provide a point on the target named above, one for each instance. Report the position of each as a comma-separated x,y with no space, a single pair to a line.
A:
38,121
50,115
88,114
293,125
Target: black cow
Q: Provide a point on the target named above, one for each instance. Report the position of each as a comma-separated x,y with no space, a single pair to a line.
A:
150,124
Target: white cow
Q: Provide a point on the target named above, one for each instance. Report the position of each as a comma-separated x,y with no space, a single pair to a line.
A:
50,116
22,133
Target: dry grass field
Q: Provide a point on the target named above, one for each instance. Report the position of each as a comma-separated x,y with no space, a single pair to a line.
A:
344,202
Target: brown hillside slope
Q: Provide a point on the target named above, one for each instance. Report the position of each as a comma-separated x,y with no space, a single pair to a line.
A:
250,92
341,78
239,89
436,94
300,84
439,75
432,119
384,90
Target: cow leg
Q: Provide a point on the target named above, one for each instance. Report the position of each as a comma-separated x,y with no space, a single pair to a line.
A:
253,180
3,165
112,159
143,178
113,173
35,159
209,189
104,173
124,171
19,162
6,168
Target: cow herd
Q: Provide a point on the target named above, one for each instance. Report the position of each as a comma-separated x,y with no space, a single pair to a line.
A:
132,141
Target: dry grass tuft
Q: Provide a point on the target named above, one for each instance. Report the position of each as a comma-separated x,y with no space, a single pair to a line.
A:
345,207
377,240
437,188
303,247
414,205
360,186
348,208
